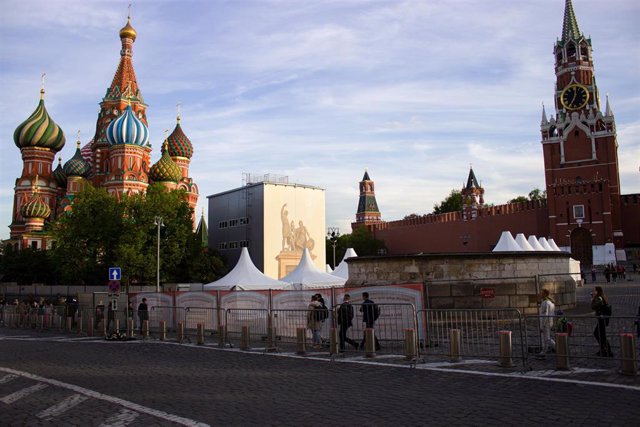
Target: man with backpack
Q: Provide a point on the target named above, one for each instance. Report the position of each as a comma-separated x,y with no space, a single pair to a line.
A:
345,321
370,313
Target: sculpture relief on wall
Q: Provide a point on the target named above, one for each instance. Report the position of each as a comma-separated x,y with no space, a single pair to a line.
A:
294,239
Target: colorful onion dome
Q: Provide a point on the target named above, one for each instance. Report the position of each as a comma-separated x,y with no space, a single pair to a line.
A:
179,144
77,165
127,129
165,169
59,175
39,130
35,207
128,32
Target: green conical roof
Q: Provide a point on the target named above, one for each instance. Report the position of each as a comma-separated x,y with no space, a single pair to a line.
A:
570,28
77,165
202,233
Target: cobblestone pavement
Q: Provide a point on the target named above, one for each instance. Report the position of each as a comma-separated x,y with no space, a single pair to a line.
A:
92,382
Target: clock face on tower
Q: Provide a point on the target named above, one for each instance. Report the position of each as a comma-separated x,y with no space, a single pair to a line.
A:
574,97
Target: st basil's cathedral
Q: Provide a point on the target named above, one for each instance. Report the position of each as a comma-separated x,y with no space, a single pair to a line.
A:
116,159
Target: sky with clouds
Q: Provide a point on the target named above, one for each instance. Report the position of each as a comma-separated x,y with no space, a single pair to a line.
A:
413,91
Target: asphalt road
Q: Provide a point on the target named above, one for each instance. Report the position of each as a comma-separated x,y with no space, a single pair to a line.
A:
58,380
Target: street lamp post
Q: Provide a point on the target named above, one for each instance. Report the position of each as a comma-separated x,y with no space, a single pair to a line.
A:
333,233
158,222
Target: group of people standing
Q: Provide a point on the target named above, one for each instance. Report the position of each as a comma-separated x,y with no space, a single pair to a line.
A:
319,312
612,272
143,314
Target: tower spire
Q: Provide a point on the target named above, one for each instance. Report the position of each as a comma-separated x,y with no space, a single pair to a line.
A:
608,112
570,28
544,120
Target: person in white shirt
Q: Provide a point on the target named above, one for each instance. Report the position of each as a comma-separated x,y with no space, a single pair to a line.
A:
547,317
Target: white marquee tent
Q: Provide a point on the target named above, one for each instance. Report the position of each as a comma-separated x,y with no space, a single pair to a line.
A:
533,241
524,244
545,244
307,275
245,276
342,270
507,243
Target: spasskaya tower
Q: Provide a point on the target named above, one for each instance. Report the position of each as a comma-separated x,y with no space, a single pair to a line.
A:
581,155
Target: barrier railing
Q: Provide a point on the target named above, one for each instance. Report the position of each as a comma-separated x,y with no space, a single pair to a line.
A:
471,333
254,321
160,316
589,338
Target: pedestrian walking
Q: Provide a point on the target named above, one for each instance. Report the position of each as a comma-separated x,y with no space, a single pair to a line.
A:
143,312
370,313
345,321
614,273
314,322
130,311
547,316
600,305
607,274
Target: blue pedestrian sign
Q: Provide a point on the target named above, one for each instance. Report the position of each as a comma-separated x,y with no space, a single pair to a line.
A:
115,273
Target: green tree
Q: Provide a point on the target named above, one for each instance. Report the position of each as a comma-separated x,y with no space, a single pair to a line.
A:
361,240
27,266
535,194
101,232
452,203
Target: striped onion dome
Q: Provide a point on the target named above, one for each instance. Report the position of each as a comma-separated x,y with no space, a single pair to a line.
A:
59,175
165,169
77,165
39,130
35,207
128,129
179,144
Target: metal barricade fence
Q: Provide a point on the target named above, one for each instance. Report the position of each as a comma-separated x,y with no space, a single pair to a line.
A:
172,316
256,320
584,336
390,327
285,324
205,316
478,332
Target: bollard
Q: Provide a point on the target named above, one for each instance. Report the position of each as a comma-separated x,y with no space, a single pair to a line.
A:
145,329
271,339
454,345
90,330
163,330
410,349
333,341
200,336
301,338
60,323
69,324
562,351
505,359
116,325
629,355
369,342
130,327
180,332
221,336
244,338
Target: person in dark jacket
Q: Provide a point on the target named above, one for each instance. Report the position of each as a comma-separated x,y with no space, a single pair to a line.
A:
143,313
370,313
598,301
345,321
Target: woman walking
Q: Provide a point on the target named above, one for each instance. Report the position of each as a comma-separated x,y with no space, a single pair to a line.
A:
599,303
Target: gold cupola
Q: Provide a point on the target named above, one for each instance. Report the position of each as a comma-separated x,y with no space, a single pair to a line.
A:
128,32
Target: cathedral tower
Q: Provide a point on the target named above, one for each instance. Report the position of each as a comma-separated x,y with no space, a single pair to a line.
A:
39,138
580,155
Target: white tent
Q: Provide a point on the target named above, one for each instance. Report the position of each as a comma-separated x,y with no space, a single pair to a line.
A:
522,242
328,269
307,275
553,245
245,276
533,241
507,243
342,270
545,244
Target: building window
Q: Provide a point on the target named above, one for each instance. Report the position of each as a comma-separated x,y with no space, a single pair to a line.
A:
244,243
233,222
244,221
578,211
233,245
222,245
222,224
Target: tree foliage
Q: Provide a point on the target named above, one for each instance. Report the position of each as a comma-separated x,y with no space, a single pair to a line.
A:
101,232
452,203
27,266
535,194
361,240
